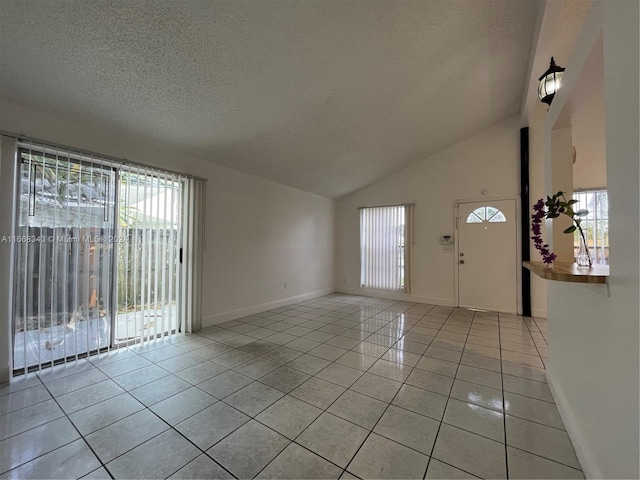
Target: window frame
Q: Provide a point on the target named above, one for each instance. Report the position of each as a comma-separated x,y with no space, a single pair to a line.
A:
598,243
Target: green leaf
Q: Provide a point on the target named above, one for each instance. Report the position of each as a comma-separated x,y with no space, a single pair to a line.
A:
572,202
571,229
582,213
553,215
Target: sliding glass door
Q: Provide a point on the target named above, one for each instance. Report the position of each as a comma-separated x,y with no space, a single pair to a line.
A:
64,261
97,256
148,255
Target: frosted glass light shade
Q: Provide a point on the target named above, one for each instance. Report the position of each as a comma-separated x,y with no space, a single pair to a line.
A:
550,82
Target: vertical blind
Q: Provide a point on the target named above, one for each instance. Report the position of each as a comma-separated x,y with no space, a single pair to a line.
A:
385,243
148,246
105,255
62,296
193,240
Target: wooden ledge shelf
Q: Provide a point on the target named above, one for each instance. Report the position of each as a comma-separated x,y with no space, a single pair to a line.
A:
570,272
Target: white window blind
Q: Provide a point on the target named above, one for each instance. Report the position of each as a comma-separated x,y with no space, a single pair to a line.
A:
62,296
106,255
193,242
148,267
385,234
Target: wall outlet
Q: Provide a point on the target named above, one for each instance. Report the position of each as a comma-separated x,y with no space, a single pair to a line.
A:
285,285
447,249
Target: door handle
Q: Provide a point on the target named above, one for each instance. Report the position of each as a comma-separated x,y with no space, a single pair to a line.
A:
461,262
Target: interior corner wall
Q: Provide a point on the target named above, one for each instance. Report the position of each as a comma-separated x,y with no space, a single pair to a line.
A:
488,160
259,234
594,355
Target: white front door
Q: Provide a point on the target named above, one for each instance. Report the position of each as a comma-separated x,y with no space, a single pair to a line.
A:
487,255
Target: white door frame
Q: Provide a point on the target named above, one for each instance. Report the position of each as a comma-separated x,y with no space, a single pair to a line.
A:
456,250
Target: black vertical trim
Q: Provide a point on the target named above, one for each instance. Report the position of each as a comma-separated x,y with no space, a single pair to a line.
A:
524,227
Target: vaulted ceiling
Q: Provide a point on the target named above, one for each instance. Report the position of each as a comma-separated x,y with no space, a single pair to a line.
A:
326,96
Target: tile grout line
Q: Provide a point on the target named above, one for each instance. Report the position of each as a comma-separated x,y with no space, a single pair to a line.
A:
267,426
364,340
302,353
195,385
145,407
75,428
536,346
171,427
38,426
315,375
386,408
222,400
525,378
102,464
504,409
344,469
444,412
325,410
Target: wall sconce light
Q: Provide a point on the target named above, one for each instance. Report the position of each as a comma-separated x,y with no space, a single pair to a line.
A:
550,82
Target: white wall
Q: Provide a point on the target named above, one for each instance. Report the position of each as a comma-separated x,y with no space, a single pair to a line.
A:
587,125
259,234
562,181
489,160
536,191
594,356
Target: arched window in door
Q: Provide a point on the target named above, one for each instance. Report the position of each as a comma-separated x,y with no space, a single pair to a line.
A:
486,214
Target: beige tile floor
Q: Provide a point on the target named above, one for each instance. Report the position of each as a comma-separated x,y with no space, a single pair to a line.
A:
335,387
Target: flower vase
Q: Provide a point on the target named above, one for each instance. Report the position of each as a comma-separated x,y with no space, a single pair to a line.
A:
583,258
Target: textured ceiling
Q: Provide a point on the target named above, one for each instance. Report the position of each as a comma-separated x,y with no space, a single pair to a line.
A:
326,96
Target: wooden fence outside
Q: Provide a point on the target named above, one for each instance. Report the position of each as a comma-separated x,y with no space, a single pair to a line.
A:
66,274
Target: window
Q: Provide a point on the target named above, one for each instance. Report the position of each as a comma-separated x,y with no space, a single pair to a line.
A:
486,214
595,225
384,250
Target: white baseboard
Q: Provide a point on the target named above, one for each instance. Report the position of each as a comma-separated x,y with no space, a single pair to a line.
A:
5,374
538,312
445,302
576,435
262,307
